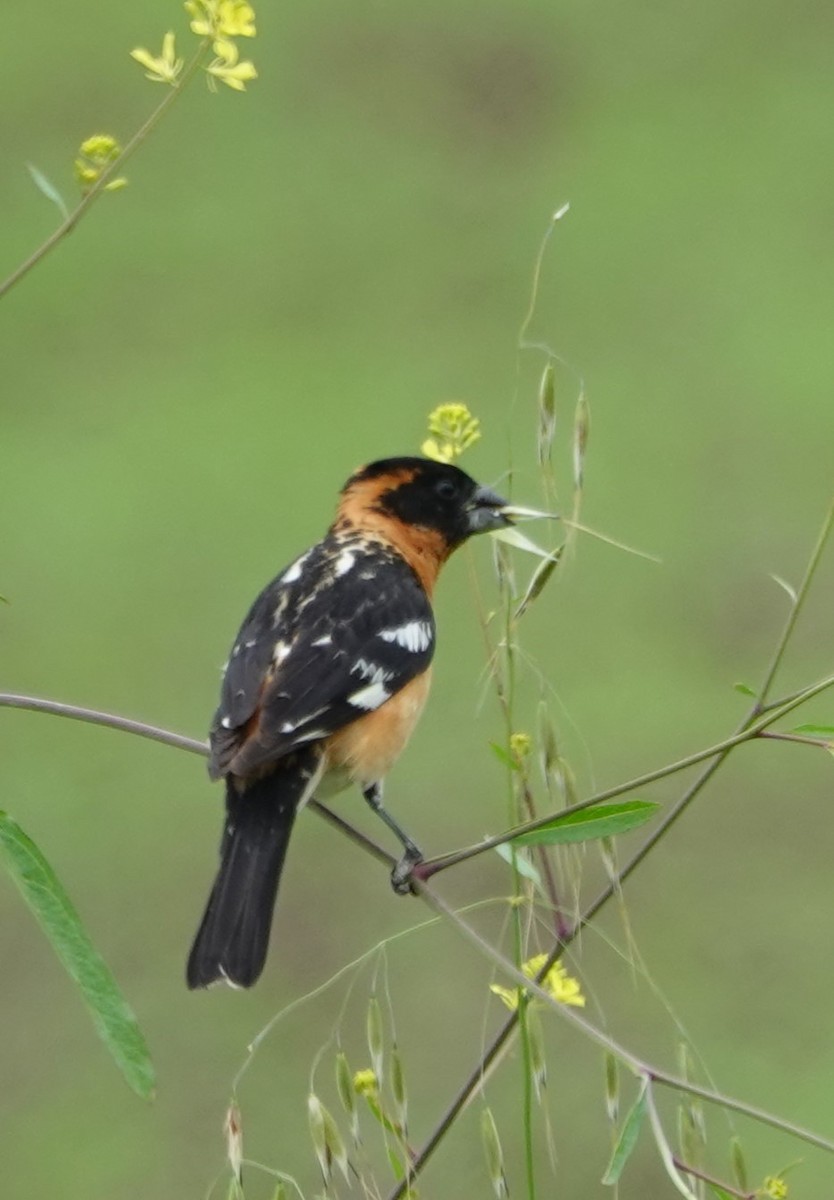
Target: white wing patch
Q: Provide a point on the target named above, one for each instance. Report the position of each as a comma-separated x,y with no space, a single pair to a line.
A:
293,573
280,652
345,562
291,726
370,671
415,636
375,692
370,697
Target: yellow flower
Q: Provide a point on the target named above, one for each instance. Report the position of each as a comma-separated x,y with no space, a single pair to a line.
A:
96,155
563,988
454,429
221,18
227,69
774,1188
165,68
236,18
520,745
365,1083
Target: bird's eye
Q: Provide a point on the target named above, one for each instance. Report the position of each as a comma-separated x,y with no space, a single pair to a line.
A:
445,489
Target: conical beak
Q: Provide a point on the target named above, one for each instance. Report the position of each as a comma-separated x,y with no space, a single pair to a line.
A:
485,511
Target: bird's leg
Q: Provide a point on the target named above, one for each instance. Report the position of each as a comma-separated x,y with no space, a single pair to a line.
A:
402,871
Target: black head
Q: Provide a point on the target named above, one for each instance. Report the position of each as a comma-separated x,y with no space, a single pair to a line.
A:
430,495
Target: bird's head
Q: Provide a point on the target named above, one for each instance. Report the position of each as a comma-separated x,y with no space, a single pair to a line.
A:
437,498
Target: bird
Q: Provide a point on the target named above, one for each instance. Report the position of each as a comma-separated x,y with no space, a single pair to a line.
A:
324,685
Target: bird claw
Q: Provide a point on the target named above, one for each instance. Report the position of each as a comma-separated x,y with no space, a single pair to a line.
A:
402,872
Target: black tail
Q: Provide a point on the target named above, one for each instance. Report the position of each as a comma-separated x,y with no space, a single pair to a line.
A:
232,940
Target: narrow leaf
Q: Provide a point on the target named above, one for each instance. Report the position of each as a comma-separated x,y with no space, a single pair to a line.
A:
115,1023
514,537
821,730
598,821
720,1192
503,756
521,863
744,688
739,1164
627,1140
539,581
48,189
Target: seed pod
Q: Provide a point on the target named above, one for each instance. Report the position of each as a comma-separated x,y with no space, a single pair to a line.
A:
581,429
494,1155
612,1088
376,1040
234,1141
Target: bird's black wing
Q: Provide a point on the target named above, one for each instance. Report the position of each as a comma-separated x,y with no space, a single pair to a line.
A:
337,634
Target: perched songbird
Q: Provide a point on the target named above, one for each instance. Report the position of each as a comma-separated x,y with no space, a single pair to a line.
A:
324,685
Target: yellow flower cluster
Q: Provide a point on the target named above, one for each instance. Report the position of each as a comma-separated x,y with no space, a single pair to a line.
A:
365,1083
453,430
520,745
95,156
774,1188
563,988
219,20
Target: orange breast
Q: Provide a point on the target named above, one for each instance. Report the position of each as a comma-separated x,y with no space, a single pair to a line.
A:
366,749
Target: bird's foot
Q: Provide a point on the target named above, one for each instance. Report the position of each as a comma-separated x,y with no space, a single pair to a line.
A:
401,876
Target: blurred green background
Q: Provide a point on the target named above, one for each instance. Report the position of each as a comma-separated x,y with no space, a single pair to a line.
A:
291,281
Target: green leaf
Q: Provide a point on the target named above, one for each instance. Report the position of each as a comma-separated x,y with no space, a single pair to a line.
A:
627,1140
503,756
520,862
113,1019
745,689
48,189
818,730
598,821
720,1192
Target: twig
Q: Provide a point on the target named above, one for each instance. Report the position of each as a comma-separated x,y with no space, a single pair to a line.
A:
796,607
686,1169
100,184
746,732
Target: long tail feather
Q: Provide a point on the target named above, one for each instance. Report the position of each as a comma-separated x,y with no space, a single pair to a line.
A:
233,937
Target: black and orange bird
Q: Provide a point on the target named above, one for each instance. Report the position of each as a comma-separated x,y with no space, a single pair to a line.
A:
324,685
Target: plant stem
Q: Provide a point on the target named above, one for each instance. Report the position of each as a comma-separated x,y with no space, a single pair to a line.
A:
99,186
608,1043
109,720
801,594
686,1169
747,732
602,1039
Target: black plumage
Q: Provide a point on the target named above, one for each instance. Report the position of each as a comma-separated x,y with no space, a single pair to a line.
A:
324,684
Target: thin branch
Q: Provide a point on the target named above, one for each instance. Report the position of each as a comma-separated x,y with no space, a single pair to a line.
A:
796,607
711,1179
591,1031
100,185
803,739
637,1065
507,1030
179,741
747,732
109,720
